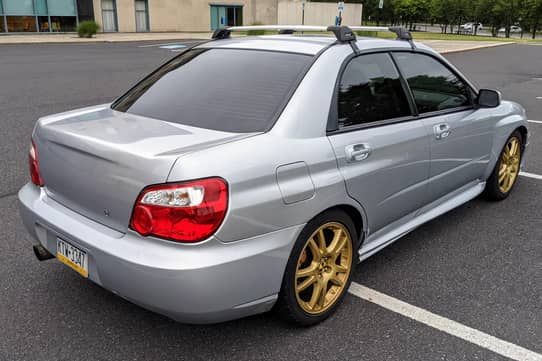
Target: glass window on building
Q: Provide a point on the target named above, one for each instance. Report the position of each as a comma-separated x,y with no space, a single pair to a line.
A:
141,15
41,7
63,15
85,10
61,7
43,24
18,7
2,25
21,24
109,15
63,23
39,15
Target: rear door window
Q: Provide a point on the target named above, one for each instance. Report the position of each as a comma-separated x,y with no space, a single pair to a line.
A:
230,90
433,85
370,90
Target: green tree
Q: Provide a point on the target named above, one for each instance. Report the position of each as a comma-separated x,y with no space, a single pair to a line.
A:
531,15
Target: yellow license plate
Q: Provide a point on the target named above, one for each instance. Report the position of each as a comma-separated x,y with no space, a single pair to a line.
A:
72,256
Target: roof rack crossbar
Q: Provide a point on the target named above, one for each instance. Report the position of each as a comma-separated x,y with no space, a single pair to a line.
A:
344,34
403,34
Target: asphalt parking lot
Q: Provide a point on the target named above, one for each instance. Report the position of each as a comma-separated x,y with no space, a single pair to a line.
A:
479,265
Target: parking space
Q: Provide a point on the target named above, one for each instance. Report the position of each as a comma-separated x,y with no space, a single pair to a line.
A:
479,265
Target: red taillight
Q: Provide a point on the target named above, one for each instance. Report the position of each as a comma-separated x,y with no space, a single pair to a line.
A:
34,165
183,212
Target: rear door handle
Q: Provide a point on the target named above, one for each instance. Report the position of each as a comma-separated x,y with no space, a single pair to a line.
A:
442,131
357,152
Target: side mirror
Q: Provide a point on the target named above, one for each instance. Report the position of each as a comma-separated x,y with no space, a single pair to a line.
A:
488,98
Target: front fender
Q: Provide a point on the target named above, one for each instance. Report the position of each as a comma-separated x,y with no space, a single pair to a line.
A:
515,117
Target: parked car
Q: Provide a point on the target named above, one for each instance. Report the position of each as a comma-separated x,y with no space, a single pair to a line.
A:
513,29
470,27
253,173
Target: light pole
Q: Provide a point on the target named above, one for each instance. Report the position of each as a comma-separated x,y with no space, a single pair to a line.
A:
303,12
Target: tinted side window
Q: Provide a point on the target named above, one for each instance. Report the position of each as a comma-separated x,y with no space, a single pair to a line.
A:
370,90
433,85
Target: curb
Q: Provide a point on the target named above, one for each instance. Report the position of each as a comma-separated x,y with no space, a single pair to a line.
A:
466,49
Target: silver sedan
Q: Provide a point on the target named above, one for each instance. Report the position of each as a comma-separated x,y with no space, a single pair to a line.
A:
252,173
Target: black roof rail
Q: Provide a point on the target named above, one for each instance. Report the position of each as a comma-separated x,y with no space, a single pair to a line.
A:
221,33
343,33
403,34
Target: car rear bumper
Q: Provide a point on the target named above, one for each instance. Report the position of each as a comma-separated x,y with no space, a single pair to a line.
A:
203,283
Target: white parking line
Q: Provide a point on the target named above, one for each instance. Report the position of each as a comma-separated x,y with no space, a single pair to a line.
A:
443,324
530,175
535,121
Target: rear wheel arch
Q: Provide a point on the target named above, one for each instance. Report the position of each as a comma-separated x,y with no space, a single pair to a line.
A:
355,215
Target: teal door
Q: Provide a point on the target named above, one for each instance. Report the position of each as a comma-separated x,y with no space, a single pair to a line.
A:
218,17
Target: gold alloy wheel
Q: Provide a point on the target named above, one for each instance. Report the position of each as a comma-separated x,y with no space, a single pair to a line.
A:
323,268
509,166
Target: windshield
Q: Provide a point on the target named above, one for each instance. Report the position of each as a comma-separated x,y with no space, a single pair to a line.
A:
230,90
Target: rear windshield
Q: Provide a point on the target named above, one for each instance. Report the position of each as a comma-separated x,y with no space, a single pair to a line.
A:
229,90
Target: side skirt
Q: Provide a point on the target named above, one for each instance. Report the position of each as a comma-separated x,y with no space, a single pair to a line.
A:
372,246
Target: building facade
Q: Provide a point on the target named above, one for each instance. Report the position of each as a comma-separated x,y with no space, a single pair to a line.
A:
22,16
19,16
181,15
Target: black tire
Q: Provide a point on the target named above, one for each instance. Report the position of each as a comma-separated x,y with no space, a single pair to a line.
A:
287,305
493,191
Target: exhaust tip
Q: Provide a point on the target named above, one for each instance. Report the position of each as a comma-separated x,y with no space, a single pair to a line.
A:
42,253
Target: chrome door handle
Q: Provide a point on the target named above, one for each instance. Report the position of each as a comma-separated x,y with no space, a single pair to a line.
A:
442,131
357,152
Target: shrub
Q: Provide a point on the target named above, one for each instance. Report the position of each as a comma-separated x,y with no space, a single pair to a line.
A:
256,32
87,29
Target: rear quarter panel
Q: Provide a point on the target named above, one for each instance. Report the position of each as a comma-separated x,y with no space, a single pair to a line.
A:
256,204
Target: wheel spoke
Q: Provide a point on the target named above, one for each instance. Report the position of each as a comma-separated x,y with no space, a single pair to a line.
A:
339,241
322,297
315,250
514,147
341,269
316,291
336,281
502,177
307,271
508,182
305,284
321,238
511,149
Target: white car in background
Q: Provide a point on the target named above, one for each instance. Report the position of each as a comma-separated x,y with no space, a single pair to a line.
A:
513,29
469,27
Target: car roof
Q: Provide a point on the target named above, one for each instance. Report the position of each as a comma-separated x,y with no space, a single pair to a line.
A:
303,44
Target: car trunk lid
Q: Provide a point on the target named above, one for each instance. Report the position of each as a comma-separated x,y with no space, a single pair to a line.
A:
96,161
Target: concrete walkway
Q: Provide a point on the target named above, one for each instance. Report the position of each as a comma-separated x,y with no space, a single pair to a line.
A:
455,46
442,46
99,38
